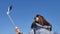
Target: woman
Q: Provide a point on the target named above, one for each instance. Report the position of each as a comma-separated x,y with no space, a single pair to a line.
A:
40,26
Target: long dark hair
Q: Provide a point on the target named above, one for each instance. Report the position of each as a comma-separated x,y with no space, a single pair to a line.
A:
41,21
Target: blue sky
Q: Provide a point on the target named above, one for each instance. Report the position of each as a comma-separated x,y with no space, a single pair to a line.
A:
23,13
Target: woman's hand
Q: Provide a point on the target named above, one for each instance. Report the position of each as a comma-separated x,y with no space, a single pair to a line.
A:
18,31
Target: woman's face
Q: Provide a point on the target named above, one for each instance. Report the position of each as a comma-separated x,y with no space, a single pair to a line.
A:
37,19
